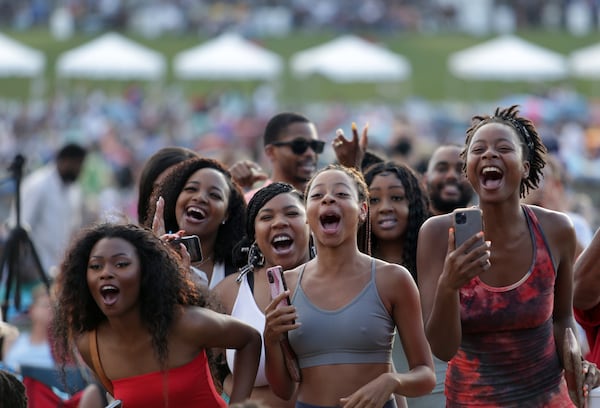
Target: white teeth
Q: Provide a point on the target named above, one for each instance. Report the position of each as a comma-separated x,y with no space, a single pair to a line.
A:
491,168
108,287
280,238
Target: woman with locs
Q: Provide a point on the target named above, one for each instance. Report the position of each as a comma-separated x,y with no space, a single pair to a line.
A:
498,312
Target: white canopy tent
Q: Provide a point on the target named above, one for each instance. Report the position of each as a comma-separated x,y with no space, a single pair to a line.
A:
351,59
227,57
111,56
19,60
585,62
508,58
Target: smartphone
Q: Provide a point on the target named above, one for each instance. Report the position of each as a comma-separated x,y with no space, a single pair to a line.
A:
467,222
115,404
277,284
192,244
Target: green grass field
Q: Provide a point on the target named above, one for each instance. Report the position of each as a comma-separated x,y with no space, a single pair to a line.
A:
427,54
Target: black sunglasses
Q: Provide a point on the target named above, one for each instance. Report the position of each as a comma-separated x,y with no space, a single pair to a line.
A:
299,146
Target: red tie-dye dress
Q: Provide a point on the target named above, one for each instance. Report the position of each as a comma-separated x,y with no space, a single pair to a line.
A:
507,357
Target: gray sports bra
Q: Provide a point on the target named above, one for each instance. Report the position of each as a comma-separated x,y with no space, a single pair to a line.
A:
360,332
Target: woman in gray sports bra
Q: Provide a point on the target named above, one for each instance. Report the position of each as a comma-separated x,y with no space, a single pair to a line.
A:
345,309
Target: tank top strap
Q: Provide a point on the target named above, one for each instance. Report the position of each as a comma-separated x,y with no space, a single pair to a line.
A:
97,364
536,229
373,269
529,214
298,287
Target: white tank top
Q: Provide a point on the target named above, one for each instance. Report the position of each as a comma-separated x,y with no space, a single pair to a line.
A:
246,309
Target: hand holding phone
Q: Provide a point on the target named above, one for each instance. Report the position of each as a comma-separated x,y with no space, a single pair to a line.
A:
277,284
467,222
192,244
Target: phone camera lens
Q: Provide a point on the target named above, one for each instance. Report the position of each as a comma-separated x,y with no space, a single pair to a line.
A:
461,218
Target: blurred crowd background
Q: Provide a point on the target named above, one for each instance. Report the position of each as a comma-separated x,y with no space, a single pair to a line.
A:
124,125
270,17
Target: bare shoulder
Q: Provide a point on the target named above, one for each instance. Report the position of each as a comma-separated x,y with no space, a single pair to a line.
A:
394,284
555,224
226,291
191,323
550,218
436,224
433,235
390,272
558,230
82,342
193,316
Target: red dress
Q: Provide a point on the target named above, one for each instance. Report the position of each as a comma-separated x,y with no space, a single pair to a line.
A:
188,386
508,357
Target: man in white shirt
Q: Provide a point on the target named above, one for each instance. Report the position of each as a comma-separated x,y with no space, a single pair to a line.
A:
52,205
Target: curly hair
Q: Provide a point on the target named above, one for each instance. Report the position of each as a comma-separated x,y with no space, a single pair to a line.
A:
533,147
165,286
12,391
258,201
160,161
230,232
418,208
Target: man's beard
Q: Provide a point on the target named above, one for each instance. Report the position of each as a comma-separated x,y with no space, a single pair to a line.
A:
444,206
69,178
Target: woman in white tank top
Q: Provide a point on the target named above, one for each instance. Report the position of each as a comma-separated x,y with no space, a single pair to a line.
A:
276,234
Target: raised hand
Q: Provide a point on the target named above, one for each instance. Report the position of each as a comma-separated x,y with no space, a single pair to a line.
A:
351,152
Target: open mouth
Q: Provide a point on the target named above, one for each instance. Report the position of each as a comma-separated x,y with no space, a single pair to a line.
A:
196,213
330,222
282,242
491,176
109,294
387,222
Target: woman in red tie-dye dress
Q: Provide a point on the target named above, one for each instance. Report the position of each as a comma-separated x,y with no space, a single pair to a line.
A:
498,312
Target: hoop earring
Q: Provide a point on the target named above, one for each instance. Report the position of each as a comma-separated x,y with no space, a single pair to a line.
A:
255,258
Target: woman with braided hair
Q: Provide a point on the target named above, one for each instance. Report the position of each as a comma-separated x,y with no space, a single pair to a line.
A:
498,311
398,206
276,234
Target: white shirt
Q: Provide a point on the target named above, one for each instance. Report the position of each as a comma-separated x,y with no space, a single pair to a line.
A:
23,352
217,275
51,211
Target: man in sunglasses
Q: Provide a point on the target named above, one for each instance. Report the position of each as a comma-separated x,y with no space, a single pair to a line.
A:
291,144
